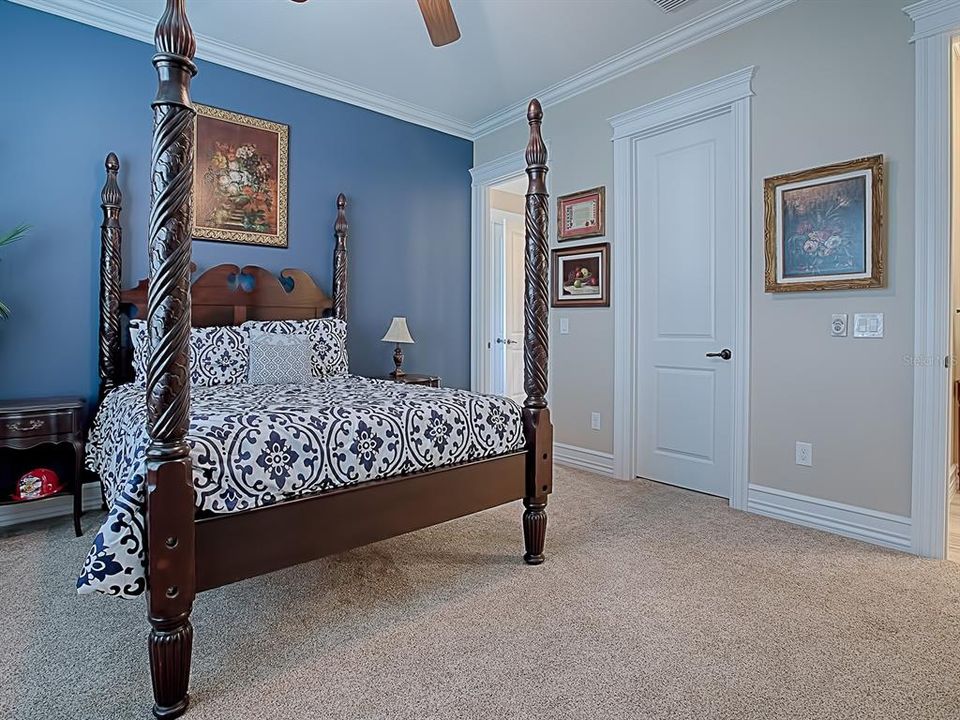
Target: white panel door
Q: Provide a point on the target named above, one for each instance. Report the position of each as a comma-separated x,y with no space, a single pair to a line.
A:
513,306
507,312
683,211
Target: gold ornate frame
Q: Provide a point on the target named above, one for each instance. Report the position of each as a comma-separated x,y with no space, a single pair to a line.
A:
282,131
772,241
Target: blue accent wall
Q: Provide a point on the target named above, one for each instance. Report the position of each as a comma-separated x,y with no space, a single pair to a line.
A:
79,92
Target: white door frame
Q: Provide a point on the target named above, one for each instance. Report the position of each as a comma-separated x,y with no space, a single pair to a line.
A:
936,22
482,263
728,94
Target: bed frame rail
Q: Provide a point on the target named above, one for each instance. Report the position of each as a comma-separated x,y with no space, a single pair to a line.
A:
255,542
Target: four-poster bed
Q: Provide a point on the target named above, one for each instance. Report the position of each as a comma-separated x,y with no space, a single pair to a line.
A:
185,551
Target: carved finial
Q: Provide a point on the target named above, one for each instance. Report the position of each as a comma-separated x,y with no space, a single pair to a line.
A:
174,35
534,112
341,227
110,195
536,154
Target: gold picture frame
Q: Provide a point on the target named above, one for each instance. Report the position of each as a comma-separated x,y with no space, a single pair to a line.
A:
240,178
824,227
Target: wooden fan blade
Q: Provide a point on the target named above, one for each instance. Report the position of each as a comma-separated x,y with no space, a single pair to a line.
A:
441,24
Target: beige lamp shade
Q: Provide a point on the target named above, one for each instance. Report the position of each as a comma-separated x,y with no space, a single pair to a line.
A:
398,332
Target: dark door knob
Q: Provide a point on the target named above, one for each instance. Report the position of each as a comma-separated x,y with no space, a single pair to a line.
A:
724,354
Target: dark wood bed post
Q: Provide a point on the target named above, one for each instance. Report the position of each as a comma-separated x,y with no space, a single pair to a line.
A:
340,260
170,494
536,416
110,232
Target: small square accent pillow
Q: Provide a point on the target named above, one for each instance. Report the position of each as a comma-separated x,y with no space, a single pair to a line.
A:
218,355
328,341
277,359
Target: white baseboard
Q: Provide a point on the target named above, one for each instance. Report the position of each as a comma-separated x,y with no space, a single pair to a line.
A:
872,526
583,458
54,507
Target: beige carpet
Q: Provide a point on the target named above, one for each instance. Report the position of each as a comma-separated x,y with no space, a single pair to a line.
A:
653,603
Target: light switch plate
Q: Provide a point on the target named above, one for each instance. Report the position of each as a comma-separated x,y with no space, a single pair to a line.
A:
868,325
564,326
838,325
595,421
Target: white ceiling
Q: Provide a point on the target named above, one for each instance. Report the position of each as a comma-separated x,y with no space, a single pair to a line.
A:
376,53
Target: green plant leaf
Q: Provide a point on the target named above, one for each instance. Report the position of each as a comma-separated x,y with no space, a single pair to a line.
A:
18,232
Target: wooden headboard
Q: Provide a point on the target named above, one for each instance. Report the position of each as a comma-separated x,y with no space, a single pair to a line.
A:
229,295
223,295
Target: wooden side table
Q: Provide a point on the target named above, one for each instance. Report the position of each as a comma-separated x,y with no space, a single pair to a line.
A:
31,431
415,379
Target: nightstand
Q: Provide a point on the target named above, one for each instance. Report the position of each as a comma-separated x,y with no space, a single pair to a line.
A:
414,379
43,433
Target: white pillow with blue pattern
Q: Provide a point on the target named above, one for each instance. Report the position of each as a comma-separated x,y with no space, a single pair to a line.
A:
328,341
277,359
218,355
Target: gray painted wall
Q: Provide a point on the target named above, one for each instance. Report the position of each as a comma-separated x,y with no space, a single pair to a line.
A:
834,81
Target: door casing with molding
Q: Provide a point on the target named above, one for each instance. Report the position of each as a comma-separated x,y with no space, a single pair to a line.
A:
727,95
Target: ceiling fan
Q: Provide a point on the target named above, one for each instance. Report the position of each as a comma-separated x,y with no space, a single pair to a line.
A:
440,21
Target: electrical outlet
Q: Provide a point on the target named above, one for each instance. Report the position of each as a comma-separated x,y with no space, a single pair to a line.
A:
804,454
595,420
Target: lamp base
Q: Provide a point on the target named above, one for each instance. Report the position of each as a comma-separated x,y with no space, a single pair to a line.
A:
398,361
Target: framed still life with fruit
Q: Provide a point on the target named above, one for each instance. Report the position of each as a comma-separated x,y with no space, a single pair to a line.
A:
581,276
240,178
824,228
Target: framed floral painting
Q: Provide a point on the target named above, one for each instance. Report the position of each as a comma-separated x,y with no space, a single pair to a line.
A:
581,276
824,229
240,178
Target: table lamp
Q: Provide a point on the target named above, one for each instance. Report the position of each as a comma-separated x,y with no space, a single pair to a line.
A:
398,333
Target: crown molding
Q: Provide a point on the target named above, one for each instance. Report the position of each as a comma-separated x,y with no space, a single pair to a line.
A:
703,98
704,27
932,17
138,26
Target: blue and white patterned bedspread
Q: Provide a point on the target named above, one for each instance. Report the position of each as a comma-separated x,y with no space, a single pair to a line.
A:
254,445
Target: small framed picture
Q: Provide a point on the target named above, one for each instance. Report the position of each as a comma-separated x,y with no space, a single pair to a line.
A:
823,228
581,276
580,215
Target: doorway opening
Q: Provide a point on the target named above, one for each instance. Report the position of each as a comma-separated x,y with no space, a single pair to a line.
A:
953,418
506,224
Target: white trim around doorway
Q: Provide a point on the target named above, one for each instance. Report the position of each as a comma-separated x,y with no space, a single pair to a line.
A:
482,259
482,262
936,22
728,94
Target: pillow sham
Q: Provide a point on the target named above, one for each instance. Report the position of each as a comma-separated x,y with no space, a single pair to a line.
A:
328,340
218,355
277,359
